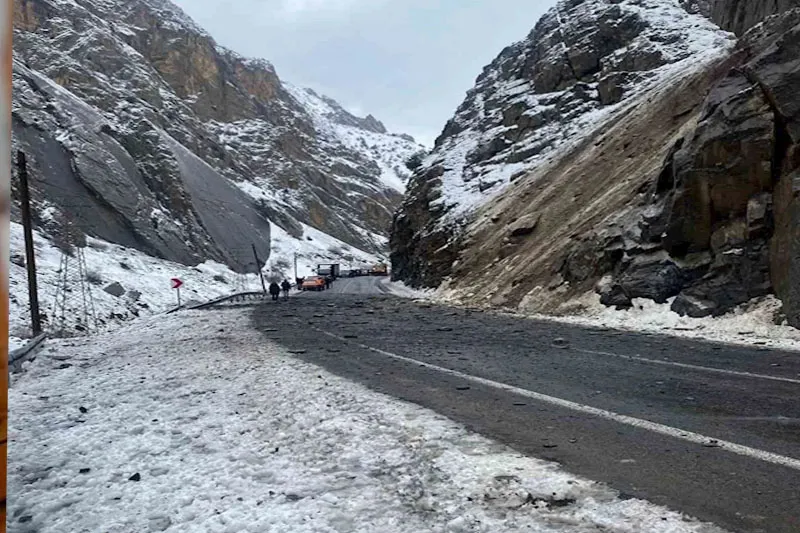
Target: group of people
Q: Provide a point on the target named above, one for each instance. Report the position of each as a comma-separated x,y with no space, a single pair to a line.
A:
275,290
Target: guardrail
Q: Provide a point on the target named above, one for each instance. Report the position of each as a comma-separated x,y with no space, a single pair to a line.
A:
18,356
238,297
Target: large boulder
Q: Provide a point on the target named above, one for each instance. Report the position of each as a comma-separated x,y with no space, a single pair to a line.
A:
656,277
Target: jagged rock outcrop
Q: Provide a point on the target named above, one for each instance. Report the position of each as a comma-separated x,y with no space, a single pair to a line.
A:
739,16
143,131
584,63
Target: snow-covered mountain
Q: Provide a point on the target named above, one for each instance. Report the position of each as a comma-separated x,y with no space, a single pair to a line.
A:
141,130
145,136
625,146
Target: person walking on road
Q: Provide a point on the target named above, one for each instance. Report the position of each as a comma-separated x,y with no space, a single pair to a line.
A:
328,281
286,287
275,291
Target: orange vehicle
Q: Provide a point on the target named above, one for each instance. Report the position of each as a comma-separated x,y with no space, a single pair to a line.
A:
314,283
380,269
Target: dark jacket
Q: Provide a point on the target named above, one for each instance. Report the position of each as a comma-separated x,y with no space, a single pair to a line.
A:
274,288
286,285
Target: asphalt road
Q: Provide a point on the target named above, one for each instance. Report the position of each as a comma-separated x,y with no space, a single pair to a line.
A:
361,285
655,417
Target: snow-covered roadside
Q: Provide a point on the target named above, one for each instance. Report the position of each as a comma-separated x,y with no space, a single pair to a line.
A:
195,423
145,281
751,324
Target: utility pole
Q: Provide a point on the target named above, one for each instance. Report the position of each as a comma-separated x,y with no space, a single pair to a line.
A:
30,255
295,266
258,266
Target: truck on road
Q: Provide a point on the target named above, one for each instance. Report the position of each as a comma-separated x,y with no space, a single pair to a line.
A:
331,269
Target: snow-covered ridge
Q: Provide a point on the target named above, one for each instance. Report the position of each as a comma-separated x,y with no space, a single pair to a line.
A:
335,126
513,120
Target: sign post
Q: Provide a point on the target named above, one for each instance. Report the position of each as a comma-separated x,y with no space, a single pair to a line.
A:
176,284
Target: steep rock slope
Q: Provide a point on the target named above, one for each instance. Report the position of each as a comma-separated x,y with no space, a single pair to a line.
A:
691,196
141,131
583,65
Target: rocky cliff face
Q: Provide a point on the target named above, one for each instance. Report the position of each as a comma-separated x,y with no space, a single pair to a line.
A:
691,196
722,216
140,130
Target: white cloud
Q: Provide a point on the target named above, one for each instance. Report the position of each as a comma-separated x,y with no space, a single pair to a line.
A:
302,7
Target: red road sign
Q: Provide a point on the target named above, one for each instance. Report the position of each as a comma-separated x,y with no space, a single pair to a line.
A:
176,283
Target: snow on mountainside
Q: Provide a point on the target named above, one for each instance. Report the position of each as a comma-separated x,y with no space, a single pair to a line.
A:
365,136
584,65
653,40
149,76
141,131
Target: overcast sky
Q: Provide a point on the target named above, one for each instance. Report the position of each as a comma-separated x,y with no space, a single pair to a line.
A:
408,62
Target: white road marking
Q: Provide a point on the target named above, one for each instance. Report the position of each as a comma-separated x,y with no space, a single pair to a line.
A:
688,436
691,367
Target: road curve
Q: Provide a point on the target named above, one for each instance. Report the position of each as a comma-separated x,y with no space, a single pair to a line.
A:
519,381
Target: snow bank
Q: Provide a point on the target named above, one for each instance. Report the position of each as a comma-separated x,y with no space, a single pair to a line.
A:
194,423
398,288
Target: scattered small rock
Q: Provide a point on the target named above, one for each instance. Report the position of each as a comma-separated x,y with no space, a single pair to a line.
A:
444,329
25,519
560,343
465,387
115,289
135,477
84,470
350,336
550,446
82,409
297,352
